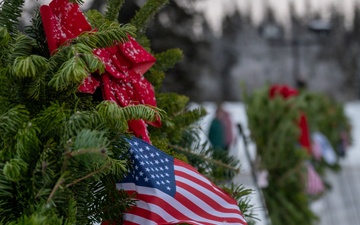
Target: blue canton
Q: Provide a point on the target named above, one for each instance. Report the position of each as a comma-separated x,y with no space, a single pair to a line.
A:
151,167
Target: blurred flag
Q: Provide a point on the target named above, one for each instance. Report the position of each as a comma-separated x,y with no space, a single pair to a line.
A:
169,191
327,151
315,184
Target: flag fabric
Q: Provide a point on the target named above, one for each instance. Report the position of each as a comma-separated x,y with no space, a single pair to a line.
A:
327,151
169,191
315,185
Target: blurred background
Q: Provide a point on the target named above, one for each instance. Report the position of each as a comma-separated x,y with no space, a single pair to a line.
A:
233,47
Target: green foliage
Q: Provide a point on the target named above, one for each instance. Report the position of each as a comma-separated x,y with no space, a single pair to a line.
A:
326,116
10,13
147,12
62,151
113,8
106,35
242,195
274,129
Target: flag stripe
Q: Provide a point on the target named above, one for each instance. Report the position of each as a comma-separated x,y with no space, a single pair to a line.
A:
196,205
222,199
176,208
184,170
135,219
202,206
166,218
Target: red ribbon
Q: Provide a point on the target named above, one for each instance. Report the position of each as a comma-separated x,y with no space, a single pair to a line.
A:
125,63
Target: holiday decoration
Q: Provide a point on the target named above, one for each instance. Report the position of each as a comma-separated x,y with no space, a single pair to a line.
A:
61,151
273,120
287,92
295,176
125,63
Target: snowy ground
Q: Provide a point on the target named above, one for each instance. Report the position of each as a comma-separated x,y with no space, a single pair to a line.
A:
339,206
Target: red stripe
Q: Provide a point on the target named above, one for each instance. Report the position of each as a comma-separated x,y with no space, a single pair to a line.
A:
199,211
150,215
222,194
166,207
199,194
129,223
178,214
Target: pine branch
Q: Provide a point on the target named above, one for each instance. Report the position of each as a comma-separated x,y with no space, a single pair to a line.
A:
30,66
104,167
168,59
5,39
146,13
118,115
80,63
108,34
113,9
21,47
9,15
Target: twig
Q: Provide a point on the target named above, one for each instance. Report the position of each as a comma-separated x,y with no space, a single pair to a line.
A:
56,187
89,175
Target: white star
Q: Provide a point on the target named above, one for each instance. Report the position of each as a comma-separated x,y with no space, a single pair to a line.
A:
166,167
157,182
168,188
161,169
157,161
142,163
141,150
167,181
137,156
147,169
146,179
147,148
141,173
166,174
136,178
166,160
152,155
136,143
153,176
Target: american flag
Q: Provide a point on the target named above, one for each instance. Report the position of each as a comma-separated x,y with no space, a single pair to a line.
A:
169,191
314,185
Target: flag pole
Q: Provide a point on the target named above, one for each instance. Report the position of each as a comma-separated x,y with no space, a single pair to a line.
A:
253,173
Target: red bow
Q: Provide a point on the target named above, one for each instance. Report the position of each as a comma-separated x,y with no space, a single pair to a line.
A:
125,63
287,92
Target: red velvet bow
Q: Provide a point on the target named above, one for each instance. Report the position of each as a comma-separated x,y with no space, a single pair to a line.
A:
125,63
287,92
